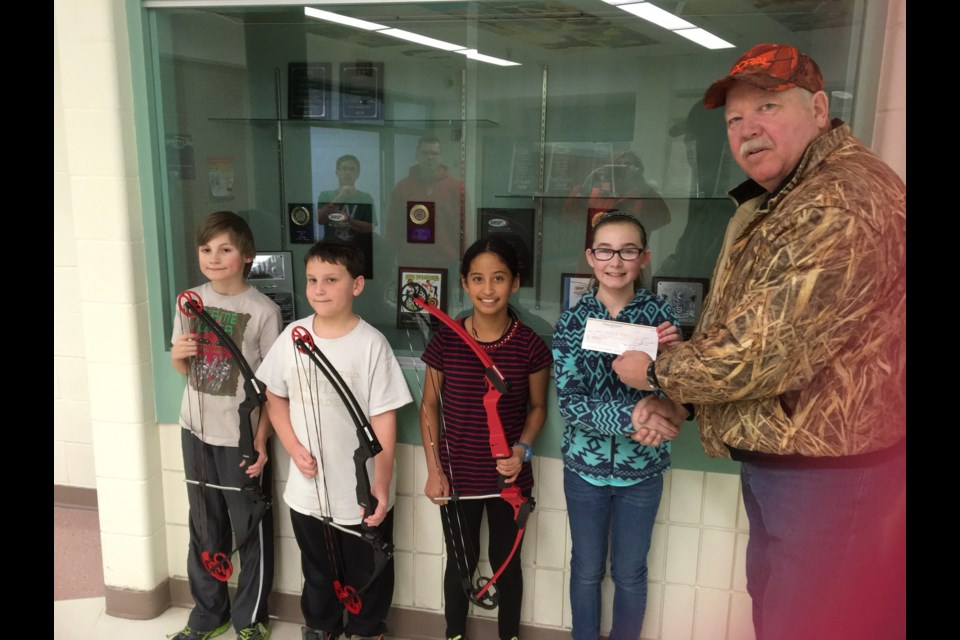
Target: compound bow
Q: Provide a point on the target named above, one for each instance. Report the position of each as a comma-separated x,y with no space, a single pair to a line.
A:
218,564
481,593
368,447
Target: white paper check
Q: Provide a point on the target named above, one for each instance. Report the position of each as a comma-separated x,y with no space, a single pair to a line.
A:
610,336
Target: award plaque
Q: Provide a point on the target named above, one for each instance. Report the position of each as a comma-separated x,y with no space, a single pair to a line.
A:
308,91
686,296
301,223
421,222
516,228
361,91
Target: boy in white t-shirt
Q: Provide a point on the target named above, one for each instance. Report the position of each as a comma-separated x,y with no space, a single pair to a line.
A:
348,579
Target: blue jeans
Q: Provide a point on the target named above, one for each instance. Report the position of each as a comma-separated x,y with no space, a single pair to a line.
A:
625,516
826,555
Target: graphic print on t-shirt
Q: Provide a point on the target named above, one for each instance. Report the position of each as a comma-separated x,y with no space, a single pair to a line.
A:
217,374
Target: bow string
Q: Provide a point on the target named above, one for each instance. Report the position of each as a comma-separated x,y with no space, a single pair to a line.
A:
368,447
482,594
218,564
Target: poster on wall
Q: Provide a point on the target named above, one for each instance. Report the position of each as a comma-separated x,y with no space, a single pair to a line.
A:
361,91
220,172
308,90
517,227
181,163
419,282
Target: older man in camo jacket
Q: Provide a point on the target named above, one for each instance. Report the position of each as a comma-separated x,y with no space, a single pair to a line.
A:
797,366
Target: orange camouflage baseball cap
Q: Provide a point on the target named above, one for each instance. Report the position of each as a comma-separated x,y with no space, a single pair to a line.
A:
771,67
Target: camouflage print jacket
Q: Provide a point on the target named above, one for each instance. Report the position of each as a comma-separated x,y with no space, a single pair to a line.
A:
801,346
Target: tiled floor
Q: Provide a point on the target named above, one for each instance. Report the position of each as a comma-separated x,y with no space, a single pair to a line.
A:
78,604
85,619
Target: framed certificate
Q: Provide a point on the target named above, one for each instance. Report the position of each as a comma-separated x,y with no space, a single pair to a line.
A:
419,282
572,287
686,296
361,91
308,91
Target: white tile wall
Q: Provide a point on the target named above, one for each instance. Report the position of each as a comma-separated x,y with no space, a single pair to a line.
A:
71,421
740,563
651,618
720,500
403,523
403,582
283,525
135,560
716,558
678,608
178,545
81,471
740,626
550,485
427,581
126,450
175,506
550,538
287,574
548,598
686,496
710,614
116,496
657,557
59,464
683,551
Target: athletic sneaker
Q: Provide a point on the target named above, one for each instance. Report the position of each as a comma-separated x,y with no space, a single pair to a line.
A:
192,634
254,632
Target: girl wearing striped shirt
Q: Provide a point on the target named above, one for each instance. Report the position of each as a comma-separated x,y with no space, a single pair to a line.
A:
456,436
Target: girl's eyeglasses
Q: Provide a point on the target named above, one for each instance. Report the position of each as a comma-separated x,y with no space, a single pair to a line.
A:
628,254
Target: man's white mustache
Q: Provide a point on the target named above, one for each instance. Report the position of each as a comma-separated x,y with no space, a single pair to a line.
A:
754,144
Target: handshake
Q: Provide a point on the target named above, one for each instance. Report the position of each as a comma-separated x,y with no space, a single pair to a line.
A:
656,420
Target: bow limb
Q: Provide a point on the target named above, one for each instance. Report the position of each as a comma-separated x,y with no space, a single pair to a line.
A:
497,384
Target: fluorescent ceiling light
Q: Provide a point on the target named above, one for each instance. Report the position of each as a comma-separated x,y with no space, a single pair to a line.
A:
409,36
656,15
667,20
704,38
419,39
473,54
339,19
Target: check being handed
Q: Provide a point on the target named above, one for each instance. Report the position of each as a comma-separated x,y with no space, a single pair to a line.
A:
614,337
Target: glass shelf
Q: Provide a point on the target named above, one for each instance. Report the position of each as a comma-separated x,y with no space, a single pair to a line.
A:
357,124
550,196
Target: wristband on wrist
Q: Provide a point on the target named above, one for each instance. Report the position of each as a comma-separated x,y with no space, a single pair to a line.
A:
527,450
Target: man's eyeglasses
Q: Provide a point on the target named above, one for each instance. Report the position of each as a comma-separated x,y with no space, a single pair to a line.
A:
628,254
